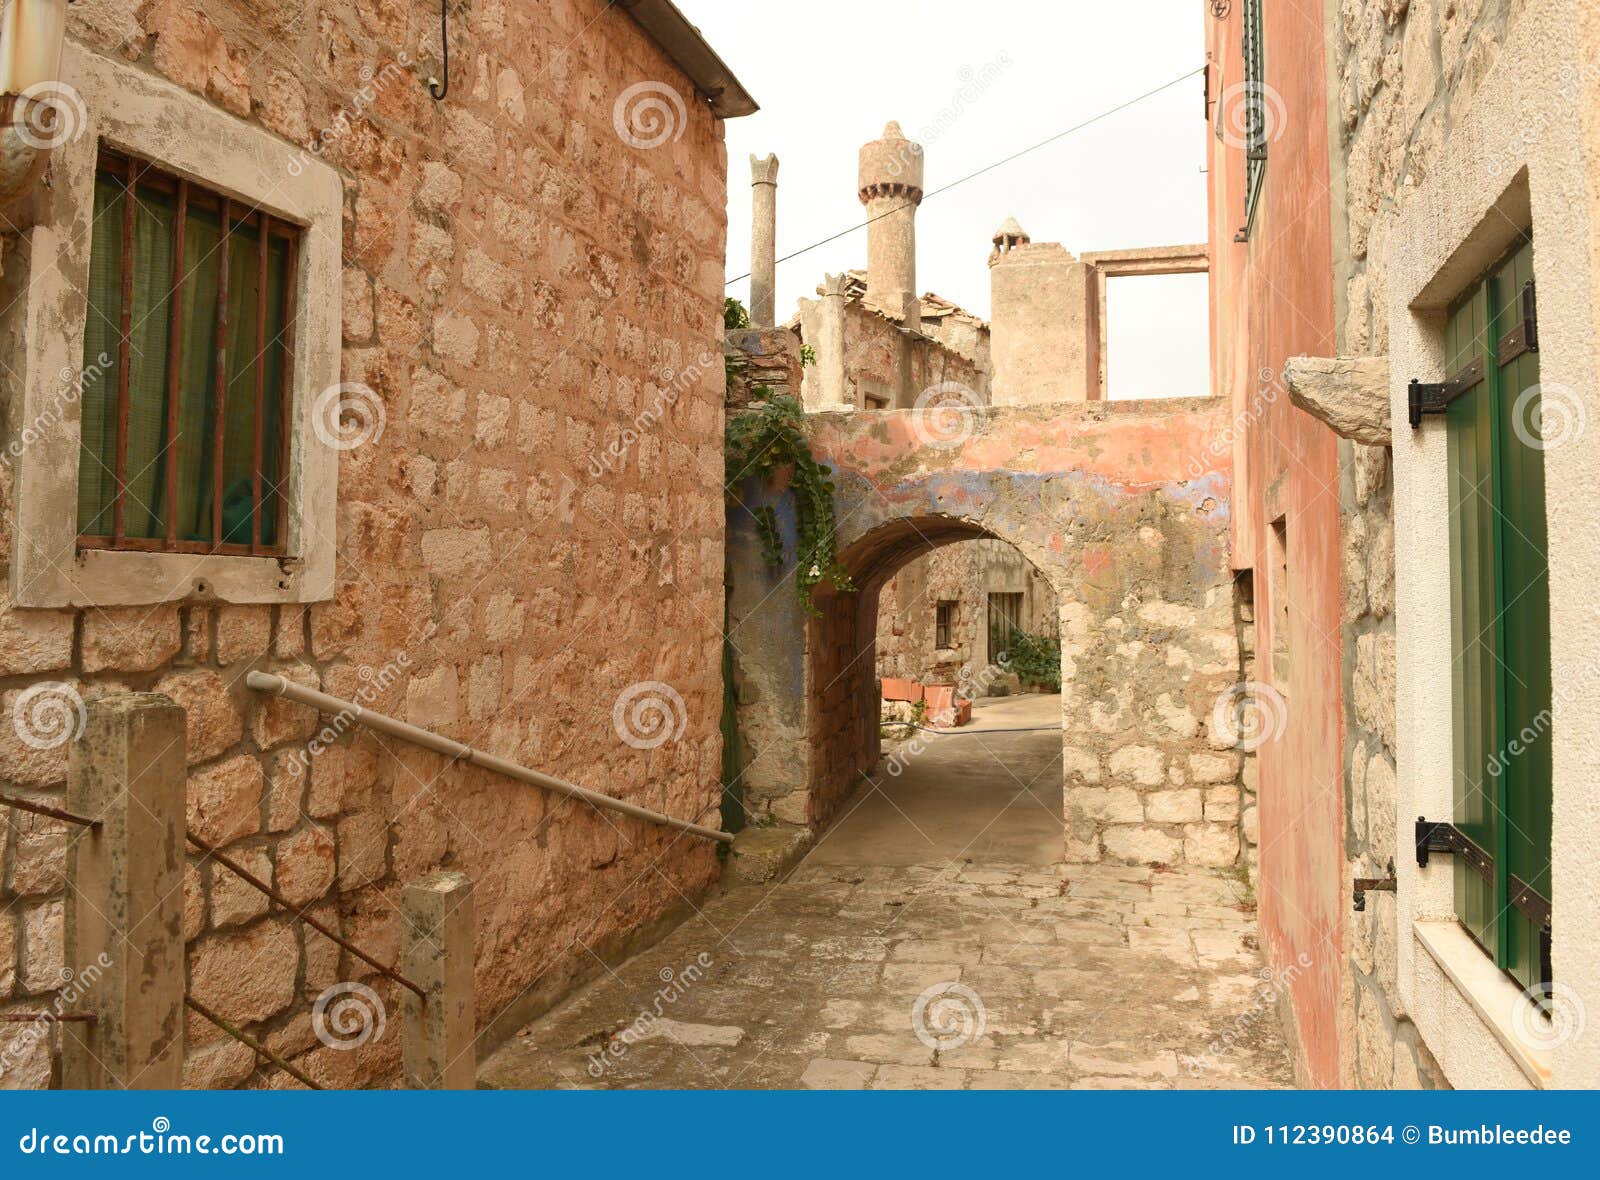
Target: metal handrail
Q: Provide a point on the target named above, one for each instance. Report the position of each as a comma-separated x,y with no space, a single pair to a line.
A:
46,810
428,740
299,913
249,1042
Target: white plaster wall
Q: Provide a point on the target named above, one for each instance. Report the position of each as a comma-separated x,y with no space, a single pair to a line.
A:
1514,155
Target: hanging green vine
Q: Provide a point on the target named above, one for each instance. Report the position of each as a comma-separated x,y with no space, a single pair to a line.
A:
760,442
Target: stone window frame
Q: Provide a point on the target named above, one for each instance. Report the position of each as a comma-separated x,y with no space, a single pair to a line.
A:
145,116
1514,165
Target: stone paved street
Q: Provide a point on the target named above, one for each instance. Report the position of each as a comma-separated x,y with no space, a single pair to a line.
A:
1088,976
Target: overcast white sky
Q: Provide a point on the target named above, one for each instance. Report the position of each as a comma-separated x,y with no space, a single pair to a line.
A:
830,73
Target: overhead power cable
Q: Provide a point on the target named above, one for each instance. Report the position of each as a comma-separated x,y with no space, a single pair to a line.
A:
944,188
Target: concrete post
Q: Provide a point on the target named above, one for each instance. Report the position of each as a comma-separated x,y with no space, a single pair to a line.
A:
891,189
763,241
831,386
124,907
438,1045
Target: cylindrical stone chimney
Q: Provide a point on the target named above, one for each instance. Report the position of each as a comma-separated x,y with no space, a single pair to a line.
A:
891,189
763,240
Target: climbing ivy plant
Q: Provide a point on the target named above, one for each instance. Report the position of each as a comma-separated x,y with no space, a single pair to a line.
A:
760,442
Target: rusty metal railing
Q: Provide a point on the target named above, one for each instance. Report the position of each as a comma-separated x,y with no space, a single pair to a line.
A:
298,913
250,1042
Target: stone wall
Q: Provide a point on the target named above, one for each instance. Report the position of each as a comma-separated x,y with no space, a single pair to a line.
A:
539,526
762,357
964,573
885,361
1406,72
1123,508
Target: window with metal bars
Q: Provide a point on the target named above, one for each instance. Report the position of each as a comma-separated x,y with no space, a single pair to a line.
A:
185,432
1255,83
1005,620
944,621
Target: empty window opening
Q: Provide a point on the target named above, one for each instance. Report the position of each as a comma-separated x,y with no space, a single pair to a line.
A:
1278,601
1158,336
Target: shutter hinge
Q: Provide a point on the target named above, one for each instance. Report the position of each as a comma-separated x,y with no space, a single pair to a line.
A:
1435,836
1423,397
1525,336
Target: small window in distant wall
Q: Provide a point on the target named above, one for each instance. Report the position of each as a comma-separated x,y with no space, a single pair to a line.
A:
1278,601
944,624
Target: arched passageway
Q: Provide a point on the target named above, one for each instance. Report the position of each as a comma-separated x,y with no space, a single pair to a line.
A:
1123,508
986,791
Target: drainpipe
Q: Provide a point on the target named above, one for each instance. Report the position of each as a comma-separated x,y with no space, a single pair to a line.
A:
31,34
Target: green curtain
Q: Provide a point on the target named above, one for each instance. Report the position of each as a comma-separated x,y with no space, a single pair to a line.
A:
239,412
154,225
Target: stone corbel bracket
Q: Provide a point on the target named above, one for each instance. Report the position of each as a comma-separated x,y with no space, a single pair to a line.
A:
1349,393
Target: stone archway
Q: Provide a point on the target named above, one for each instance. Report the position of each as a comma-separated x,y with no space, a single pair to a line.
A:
1123,507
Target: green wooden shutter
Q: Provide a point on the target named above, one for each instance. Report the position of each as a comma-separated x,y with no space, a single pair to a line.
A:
1469,431
1500,618
1525,625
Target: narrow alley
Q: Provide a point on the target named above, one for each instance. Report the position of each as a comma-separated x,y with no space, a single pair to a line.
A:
931,940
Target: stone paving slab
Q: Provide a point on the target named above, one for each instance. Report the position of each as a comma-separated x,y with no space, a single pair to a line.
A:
960,976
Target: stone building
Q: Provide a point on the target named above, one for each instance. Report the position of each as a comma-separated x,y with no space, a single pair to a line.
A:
495,319
875,345
1403,204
